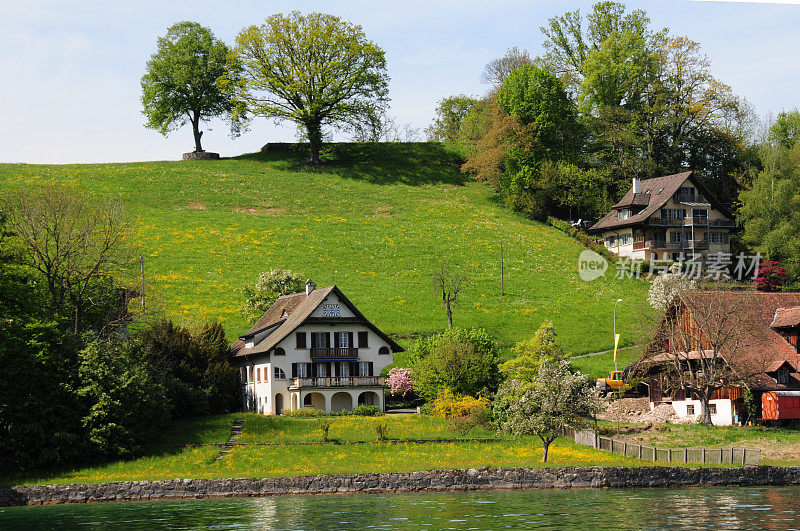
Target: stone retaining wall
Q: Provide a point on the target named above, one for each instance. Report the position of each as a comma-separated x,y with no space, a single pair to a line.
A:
433,480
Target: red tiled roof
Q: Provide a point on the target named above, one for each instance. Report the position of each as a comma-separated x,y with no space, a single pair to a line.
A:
765,350
786,317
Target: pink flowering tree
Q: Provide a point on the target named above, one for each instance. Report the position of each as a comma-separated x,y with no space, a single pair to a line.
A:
401,380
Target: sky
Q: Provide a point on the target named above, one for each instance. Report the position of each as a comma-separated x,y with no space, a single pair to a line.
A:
70,90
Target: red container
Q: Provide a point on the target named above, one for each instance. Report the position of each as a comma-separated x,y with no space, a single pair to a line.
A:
780,405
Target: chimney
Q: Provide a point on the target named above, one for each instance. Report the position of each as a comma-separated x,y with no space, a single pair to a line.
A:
636,185
309,287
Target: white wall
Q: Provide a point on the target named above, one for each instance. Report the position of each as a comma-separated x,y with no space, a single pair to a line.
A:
723,416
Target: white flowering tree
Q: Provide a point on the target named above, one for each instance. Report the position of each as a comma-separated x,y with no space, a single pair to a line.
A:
667,285
555,398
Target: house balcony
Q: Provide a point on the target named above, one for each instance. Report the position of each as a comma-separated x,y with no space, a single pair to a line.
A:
334,353
660,222
664,245
337,381
705,222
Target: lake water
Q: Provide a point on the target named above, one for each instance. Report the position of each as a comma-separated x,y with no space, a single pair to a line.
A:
685,508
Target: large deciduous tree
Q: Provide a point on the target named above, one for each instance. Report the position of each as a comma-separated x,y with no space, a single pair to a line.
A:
180,84
74,241
315,70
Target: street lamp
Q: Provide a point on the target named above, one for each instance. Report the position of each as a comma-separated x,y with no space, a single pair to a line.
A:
615,333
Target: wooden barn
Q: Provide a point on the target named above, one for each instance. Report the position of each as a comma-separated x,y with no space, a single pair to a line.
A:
737,340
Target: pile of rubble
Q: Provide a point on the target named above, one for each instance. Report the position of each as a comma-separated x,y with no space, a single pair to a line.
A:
637,410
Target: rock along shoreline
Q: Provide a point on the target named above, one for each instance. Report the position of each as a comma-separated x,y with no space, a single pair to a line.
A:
474,479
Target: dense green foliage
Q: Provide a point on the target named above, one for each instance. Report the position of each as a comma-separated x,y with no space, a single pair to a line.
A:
315,70
180,85
624,100
448,125
267,289
461,361
770,210
528,355
74,396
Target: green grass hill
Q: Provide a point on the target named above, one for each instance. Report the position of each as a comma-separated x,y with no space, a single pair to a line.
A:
375,219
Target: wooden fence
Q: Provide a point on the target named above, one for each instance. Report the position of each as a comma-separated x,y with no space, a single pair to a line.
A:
705,456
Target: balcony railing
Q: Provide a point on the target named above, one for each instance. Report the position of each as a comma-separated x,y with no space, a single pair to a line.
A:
661,244
339,381
665,222
689,220
687,198
334,353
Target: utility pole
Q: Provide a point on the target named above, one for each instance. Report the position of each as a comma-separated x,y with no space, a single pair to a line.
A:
502,271
141,267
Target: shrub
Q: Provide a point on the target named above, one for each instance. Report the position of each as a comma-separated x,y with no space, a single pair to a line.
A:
270,285
462,361
771,276
382,429
362,410
324,426
447,405
305,413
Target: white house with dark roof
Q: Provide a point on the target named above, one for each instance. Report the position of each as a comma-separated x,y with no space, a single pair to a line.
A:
312,350
674,217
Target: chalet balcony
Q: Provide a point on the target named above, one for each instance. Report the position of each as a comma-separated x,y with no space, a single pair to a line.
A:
664,245
337,381
661,222
705,222
334,353
687,198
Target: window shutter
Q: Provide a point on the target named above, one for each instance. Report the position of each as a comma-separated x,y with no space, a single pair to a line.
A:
350,340
294,370
301,340
370,369
362,340
335,370
327,339
336,339
353,368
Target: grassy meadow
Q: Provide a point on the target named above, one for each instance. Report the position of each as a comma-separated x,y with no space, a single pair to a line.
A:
375,219
338,457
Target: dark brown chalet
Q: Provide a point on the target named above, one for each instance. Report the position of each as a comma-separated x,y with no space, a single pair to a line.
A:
666,217
753,335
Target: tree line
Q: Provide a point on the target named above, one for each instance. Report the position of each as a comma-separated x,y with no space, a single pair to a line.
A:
610,98
83,378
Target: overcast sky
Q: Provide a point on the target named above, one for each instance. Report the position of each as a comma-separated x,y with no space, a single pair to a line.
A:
70,86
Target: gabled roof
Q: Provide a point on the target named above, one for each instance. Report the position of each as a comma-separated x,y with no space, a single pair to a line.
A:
298,307
661,189
766,350
786,318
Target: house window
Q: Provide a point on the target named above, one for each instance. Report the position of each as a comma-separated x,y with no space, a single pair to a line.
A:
782,376
265,375
700,213
330,310
344,369
690,410
302,370
319,339
258,375
611,241
342,340
686,192
279,374
322,370
243,374
362,340
624,214
719,238
307,401
301,339
250,374
673,213
280,351
383,350
363,368
712,409
249,343
624,239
